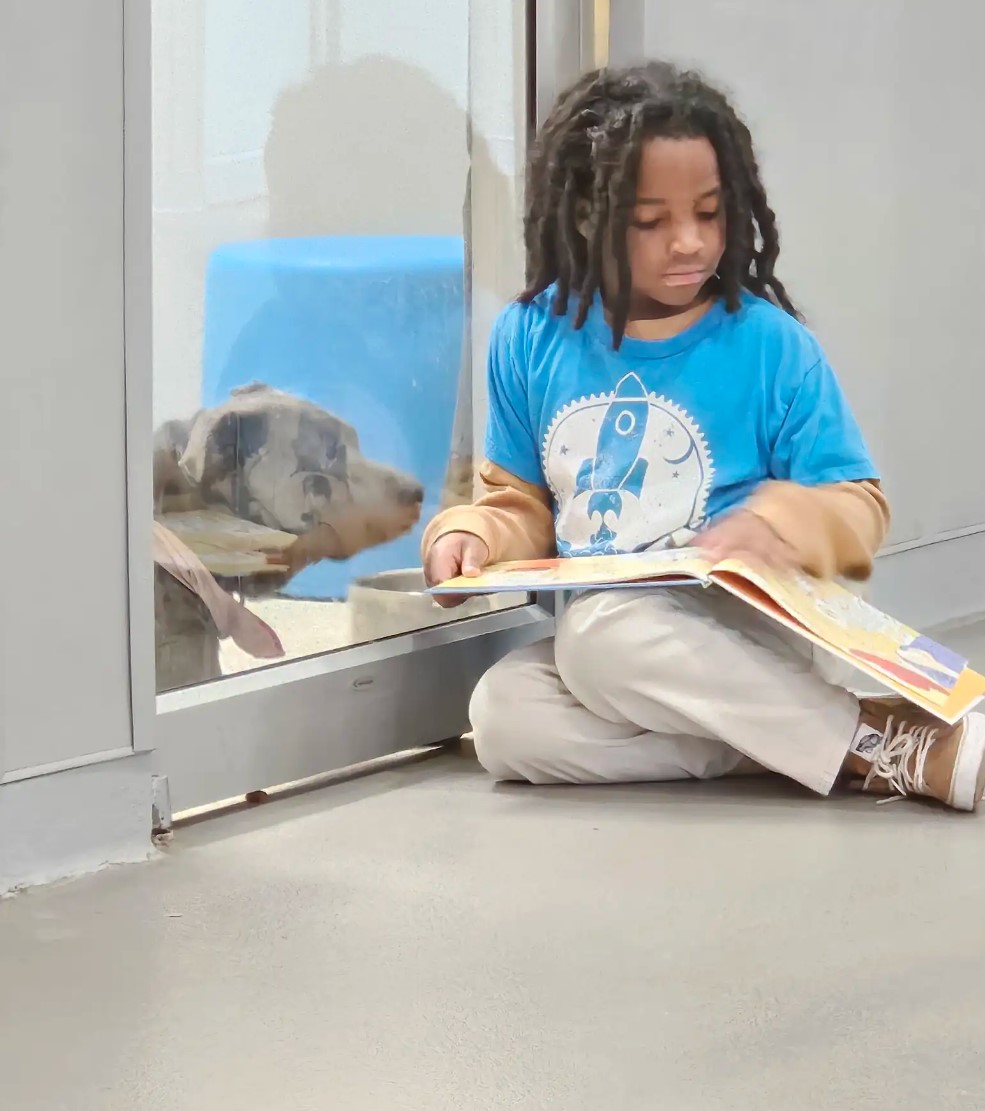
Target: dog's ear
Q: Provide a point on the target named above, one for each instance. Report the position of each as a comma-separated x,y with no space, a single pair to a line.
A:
220,443
233,440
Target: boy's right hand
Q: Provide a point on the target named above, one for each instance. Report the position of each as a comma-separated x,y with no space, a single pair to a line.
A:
451,555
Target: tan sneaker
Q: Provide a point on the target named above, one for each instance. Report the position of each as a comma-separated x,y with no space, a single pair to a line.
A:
912,754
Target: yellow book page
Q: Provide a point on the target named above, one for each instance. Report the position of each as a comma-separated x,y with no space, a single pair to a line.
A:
926,673
580,572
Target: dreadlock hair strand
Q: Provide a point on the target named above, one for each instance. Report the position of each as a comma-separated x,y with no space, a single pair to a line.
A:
596,218
572,274
622,198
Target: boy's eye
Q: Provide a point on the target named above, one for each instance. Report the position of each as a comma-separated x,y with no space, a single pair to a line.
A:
657,221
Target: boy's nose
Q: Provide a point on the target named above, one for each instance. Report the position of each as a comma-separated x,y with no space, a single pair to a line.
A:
687,242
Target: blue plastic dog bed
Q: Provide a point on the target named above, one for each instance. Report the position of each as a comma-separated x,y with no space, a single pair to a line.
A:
369,328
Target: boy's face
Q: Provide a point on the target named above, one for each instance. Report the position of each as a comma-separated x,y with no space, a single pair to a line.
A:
676,232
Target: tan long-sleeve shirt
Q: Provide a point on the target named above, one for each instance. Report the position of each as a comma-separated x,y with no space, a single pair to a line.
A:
835,530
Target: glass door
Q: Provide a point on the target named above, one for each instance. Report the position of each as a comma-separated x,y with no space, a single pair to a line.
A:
335,192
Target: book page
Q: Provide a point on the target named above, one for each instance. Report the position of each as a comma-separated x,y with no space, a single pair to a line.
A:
913,665
679,567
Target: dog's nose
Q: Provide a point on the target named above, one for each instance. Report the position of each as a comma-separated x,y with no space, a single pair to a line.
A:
411,495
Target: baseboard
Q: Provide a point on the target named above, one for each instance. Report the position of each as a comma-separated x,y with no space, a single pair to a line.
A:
933,586
53,827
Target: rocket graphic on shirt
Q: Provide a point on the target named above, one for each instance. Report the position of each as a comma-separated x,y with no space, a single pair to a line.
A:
617,464
628,470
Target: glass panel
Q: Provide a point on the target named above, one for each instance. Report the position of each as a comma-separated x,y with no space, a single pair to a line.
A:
312,380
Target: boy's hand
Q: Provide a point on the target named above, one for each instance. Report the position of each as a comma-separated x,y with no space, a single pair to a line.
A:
451,555
743,535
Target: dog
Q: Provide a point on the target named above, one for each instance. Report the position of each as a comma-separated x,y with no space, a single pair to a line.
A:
277,460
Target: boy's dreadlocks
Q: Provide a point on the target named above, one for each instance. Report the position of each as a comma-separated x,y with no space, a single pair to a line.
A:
583,170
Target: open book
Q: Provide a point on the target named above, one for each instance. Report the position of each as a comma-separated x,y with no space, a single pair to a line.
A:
913,666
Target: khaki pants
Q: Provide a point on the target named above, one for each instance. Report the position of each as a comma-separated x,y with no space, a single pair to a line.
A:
646,685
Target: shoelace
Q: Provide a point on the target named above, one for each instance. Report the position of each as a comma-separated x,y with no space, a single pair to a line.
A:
901,757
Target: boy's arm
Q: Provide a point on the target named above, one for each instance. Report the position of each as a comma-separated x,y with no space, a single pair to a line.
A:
514,515
835,530
513,518
826,502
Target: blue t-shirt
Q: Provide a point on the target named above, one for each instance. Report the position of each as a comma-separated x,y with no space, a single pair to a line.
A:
644,446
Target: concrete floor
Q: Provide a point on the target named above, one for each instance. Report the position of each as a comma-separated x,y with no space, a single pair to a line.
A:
418,940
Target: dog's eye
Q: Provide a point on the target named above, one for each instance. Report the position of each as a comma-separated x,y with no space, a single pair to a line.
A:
317,486
339,466
317,442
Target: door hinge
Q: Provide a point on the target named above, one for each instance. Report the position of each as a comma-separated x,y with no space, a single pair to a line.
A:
160,805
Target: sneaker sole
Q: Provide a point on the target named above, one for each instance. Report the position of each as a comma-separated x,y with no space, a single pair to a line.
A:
968,780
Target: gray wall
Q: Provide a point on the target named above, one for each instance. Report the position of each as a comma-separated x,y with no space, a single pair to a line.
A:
64,669
867,117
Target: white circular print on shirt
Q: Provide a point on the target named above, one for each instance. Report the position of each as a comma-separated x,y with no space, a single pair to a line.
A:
628,470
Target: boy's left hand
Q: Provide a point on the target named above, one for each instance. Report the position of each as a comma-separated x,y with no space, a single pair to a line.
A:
743,535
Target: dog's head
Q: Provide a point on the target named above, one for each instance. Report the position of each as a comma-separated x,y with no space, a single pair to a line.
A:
283,462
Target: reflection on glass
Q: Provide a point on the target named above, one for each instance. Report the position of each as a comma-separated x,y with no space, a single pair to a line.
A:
312,383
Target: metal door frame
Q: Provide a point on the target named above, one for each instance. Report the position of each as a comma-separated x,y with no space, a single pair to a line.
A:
570,36
300,719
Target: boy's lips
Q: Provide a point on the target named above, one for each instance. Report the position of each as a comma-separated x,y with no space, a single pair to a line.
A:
685,277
